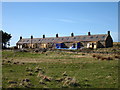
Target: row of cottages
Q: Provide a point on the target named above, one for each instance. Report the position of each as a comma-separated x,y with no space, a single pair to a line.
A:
86,41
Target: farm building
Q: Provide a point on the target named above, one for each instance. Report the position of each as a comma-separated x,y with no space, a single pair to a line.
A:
86,41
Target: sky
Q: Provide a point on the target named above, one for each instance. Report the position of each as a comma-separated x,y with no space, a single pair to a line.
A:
38,18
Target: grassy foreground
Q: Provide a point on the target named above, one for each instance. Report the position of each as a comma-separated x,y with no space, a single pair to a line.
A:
57,70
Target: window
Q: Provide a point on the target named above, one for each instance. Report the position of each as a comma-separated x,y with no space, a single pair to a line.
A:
103,36
91,37
67,38
84,37
58,39
74,37
62,38
52,39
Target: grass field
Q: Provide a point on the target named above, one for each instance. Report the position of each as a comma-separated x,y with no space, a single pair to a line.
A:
55,69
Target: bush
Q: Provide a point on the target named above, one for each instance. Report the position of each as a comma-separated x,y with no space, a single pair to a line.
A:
103,58
117,57
99,57
93,55
109,58
83,54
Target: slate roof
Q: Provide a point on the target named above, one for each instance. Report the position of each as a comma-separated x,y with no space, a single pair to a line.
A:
99,37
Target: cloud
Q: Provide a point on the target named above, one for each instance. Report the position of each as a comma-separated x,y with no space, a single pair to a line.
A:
66,20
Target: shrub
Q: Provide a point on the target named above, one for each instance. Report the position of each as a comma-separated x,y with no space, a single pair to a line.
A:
117,57
30,74
99,57
109,58
103,58
93,55
83,54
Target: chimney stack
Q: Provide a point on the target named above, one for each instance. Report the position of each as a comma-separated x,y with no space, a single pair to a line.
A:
108,32
43,36
89,34
72,35
56,35
31,37
20,37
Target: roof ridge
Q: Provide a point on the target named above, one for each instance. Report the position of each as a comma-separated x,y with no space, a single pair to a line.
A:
67,36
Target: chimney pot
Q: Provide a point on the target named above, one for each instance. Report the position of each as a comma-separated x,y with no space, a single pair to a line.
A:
56,35
89,34
43,36
20,37
108,32
31,37
72,34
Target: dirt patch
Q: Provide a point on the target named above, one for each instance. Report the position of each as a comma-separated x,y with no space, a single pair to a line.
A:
80,56
28,60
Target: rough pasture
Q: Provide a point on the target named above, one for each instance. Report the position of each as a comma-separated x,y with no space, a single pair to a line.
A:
56,69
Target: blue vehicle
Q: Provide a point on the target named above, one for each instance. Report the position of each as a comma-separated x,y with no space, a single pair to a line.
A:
62,46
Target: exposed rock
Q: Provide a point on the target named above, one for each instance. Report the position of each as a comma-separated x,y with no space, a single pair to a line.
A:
47,78
12,82
41,82
64,74
26,80
40,74
59,79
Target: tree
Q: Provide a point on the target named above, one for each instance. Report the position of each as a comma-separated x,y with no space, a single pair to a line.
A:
5,39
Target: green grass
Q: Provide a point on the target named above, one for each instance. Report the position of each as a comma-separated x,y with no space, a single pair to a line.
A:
88,72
